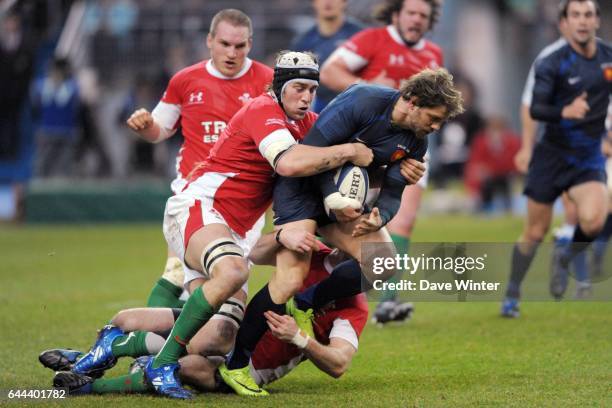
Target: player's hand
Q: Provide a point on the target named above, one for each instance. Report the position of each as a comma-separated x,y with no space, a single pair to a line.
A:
140,120
347,214
522,159
412,170
362,155
577,109
298,240
383,79
282,327
368,223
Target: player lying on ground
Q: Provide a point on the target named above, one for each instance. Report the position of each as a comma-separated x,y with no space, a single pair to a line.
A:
281,349
394,124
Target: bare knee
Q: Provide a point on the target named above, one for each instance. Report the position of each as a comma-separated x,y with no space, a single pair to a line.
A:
534,234
281,290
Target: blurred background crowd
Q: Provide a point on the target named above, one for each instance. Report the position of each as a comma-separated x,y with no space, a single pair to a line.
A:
71,72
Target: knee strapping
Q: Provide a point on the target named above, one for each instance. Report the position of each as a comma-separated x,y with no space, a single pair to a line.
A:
217,250
173,272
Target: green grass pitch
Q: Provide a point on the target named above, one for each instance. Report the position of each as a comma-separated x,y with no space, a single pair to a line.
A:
58,284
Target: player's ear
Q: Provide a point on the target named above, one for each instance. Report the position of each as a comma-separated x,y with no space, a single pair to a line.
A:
209,40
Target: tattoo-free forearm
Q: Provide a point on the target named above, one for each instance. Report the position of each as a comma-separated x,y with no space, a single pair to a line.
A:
331,360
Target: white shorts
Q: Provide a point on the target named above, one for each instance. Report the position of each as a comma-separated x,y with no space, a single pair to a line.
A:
185,214
178,184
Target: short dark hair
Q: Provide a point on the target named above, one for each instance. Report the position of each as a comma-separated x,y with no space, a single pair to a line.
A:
432,88
234,17
564,5
384,12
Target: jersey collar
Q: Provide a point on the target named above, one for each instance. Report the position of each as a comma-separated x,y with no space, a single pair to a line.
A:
395,35
215,72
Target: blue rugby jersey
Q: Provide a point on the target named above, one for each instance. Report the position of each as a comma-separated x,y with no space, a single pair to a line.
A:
559,78
323,46
362,113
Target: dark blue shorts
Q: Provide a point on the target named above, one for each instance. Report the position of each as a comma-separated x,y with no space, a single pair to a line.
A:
550,174
296,199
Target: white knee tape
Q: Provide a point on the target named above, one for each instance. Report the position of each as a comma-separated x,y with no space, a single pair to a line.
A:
173,272
216,250
232,311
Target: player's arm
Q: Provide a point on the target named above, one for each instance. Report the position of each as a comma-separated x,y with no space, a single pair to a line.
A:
156,126
387,204
264,251
299,160
542,105
333,359
336,74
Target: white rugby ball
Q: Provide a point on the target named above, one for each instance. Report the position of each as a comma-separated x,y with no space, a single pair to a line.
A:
353,182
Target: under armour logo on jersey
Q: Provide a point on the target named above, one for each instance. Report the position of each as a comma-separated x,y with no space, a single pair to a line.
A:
396,59
196,97
573,80
245,97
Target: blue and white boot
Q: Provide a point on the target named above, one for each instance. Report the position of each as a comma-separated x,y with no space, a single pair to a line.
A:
100,357
164,380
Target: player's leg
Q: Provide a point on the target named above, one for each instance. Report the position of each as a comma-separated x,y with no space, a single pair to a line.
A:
287,279
212,250
195,370
539,217
599,247
218,335
348,278
400,228
168,288
591,201
200,372
131,332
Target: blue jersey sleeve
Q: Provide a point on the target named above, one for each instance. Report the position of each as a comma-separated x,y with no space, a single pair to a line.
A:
542,104
390,197
336,124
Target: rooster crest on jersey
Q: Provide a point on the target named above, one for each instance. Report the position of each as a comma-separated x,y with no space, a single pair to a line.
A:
292,66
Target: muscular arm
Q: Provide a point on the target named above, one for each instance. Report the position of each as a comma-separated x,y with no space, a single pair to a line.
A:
302,160
333,359
264,251
148,125
336,75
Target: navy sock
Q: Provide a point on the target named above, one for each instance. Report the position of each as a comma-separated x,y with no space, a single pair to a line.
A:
344,281
579,243
605,233
520,266
253,327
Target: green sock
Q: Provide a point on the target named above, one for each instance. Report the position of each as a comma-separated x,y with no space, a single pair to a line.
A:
130,345
401,245
194,315
125,383
164,294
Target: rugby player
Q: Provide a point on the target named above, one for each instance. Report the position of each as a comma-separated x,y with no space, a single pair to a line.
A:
201,99
282,348
213,221
394,124
571,94
386,56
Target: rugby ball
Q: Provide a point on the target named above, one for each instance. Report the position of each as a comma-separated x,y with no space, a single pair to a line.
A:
351,181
